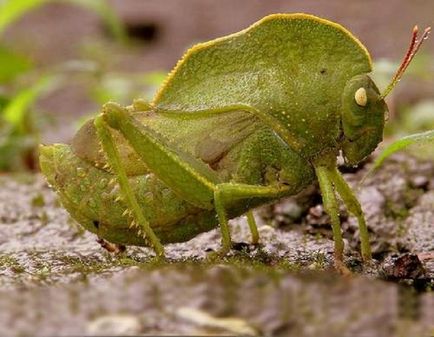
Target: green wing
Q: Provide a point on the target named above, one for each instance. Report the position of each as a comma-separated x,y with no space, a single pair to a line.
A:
289,69
207,137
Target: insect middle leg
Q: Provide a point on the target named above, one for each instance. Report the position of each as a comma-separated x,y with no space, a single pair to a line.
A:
226,194
331,207
354,207
253,227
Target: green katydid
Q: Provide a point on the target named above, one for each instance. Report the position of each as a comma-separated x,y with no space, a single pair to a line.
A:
241,121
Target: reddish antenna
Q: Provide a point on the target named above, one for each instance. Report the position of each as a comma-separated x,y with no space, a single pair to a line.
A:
415,44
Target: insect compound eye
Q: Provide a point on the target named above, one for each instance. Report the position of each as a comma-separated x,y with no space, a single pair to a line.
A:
360,97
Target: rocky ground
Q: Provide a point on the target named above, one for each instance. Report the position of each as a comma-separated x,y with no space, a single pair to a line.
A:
56,280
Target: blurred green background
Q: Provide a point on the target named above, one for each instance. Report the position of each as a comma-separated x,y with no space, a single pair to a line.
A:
61,59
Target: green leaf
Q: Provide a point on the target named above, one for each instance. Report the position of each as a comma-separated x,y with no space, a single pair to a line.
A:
11,10
11,65
15,112
4,100
418,138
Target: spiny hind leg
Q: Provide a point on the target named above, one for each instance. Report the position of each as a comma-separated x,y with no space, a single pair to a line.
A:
115,163
354,207
194,181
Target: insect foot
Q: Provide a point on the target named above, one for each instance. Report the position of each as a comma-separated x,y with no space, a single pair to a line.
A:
111,247
214,256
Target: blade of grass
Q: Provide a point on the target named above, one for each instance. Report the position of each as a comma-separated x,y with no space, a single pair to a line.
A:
12,65
15,112
400,144
11,10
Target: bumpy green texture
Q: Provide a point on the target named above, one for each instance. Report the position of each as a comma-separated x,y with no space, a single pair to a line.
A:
241,121
289,69
90,198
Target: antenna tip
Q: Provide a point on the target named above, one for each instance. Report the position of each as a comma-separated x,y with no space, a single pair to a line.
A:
415,44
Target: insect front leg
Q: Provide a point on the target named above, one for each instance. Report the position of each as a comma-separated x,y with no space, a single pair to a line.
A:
115,163
354,207
332,209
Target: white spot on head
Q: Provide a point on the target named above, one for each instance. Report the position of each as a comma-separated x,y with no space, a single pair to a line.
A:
360,97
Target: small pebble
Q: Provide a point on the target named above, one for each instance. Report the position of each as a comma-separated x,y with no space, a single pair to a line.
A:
114,325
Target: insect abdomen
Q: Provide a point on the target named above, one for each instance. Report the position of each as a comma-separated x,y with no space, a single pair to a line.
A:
92,197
